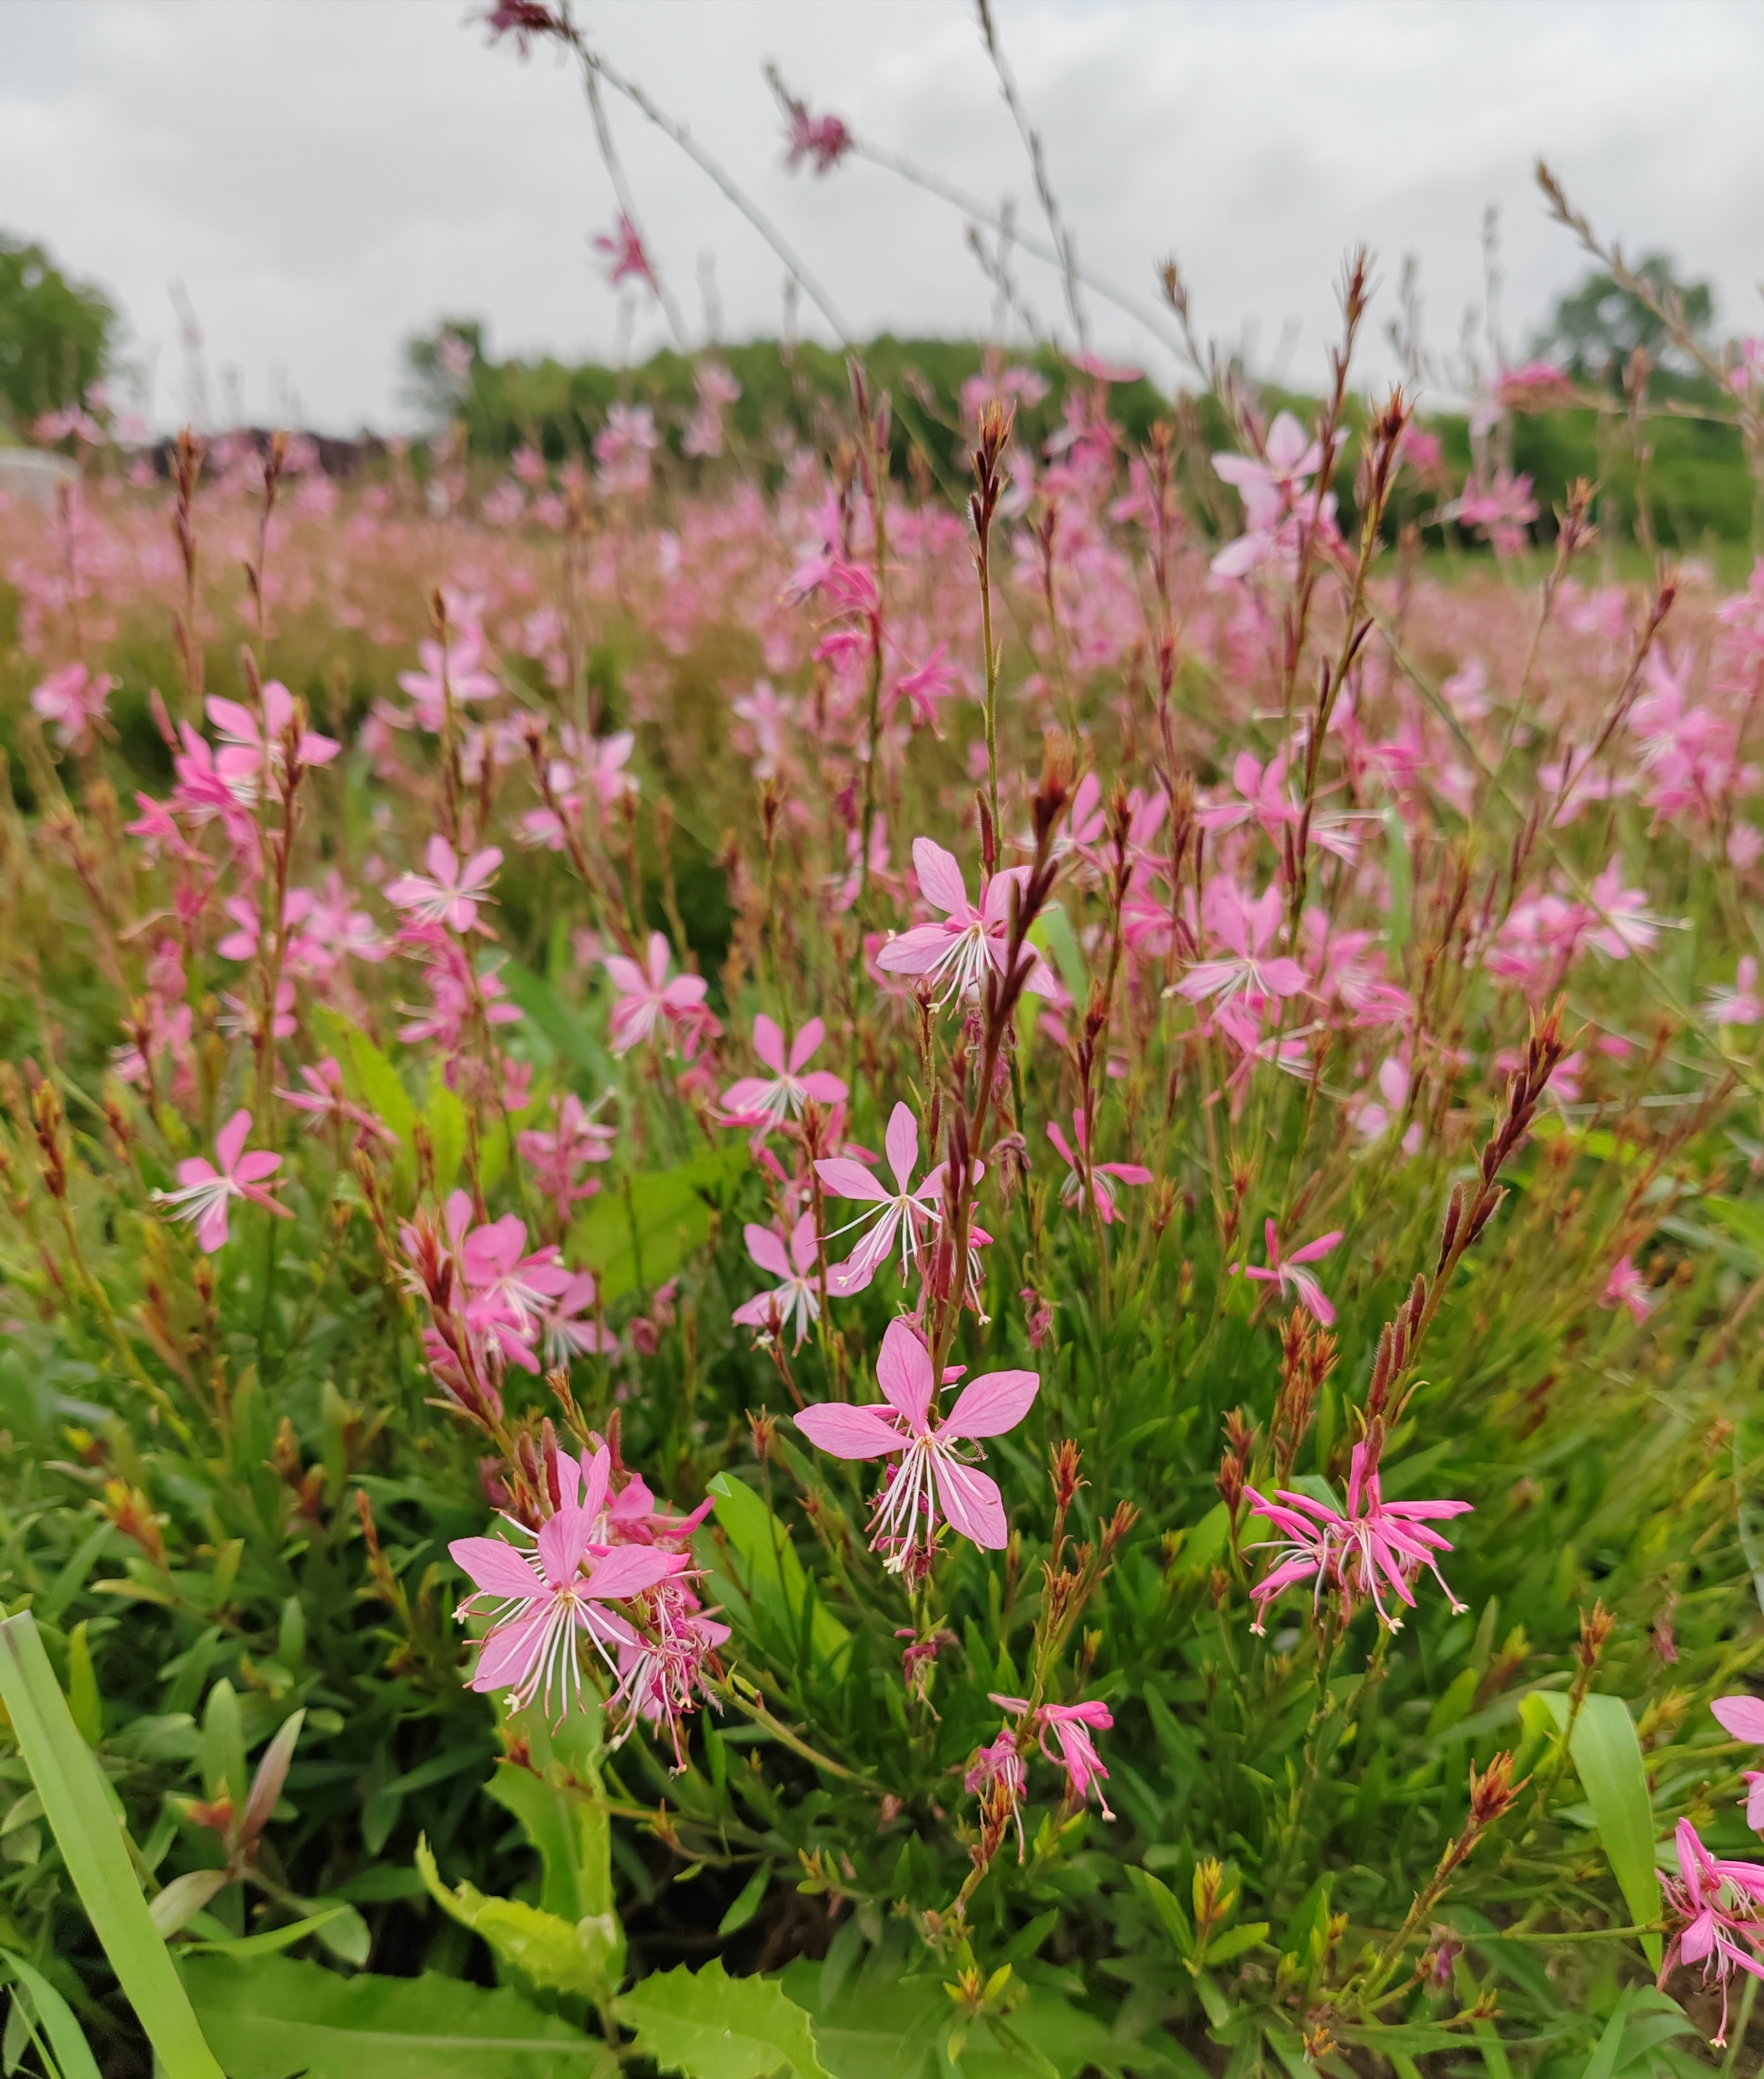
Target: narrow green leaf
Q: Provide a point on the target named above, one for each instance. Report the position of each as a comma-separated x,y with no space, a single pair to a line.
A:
273,1940
1168,1908
1607,1758
554,1018
91,1843
710,2026
56,2019
750,1899
276,2017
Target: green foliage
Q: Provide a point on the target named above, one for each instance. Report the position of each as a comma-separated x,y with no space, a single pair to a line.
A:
271,2019
55,333
636,1234
706,2025
1595,327
1607,1757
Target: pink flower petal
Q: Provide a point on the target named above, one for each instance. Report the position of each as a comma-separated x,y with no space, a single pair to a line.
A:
939,877
229,1142
768,1043
495,1567
991,1404
850,1432
902,1145
766,1249
807,1040
563,1541
846,1179
629,1569
1741,1716
904,1371
972,1504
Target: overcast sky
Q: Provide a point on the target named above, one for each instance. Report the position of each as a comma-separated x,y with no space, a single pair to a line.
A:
325,177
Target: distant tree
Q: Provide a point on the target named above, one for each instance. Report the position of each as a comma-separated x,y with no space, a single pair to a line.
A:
55,333
440,367
1595,328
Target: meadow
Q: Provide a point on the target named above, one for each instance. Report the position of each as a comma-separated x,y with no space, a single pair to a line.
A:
813,1271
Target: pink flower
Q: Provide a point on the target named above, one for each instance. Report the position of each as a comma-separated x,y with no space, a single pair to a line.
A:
1717,1902
906,1210
568,1327
237,726
1626,1287
324,1098
455,673
1071,1725
206,1190
1376,1546
449,893
757,1098
622,449
797,1298
1743,1716
1104,1175
1271,486
73,699
647,996
970,943
511,1292
626,259
823,139
1288,1273
1742,1004
545,1603
556,1158
1261,795
933,1478
1246,929
935,680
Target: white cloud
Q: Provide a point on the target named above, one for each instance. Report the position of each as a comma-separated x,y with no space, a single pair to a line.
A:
327,176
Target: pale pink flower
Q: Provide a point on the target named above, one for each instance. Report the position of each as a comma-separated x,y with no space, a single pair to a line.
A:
455,673
73,699
909,1210
647,995
449,893
237,726
556,1157
1742,1004
796,1297
569,1328
324,1100
545,1604
1288,1272
1246,928
933,1480
206,1190
971,943
1104,1176
792,1083
1262,797
510,1292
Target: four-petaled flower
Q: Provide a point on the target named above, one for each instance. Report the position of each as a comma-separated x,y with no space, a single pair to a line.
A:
449,893
1104,1175
756,1100
647,995
934,1480
1289,1274
1718,1903
970,942
1071,1725
206,1190
907,1210
796,1297
627,260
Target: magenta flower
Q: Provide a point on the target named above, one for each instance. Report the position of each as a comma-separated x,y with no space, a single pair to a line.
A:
1289,1273
1717,1902
1104,1175
1246,929
1742,1004
1626,1287
823,139
1743,1716
1071,1725
449,893
908,1210
511,1292
755,1099
546,1605
647,995
970,943
325,1099
796,1297
207,1189
627,260
933,1478
1376,1546
1262,798
236,727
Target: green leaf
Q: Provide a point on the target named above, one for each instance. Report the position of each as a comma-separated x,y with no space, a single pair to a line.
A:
1745,1222
1168,1908
773,1575
1401,870
636,1236
751,1898
86,1831
55,2018
710,2026
1235,1940
273,1940
554,1018
372,1078
447,1120
1607,1758
275,2018
82,1696
558,1955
